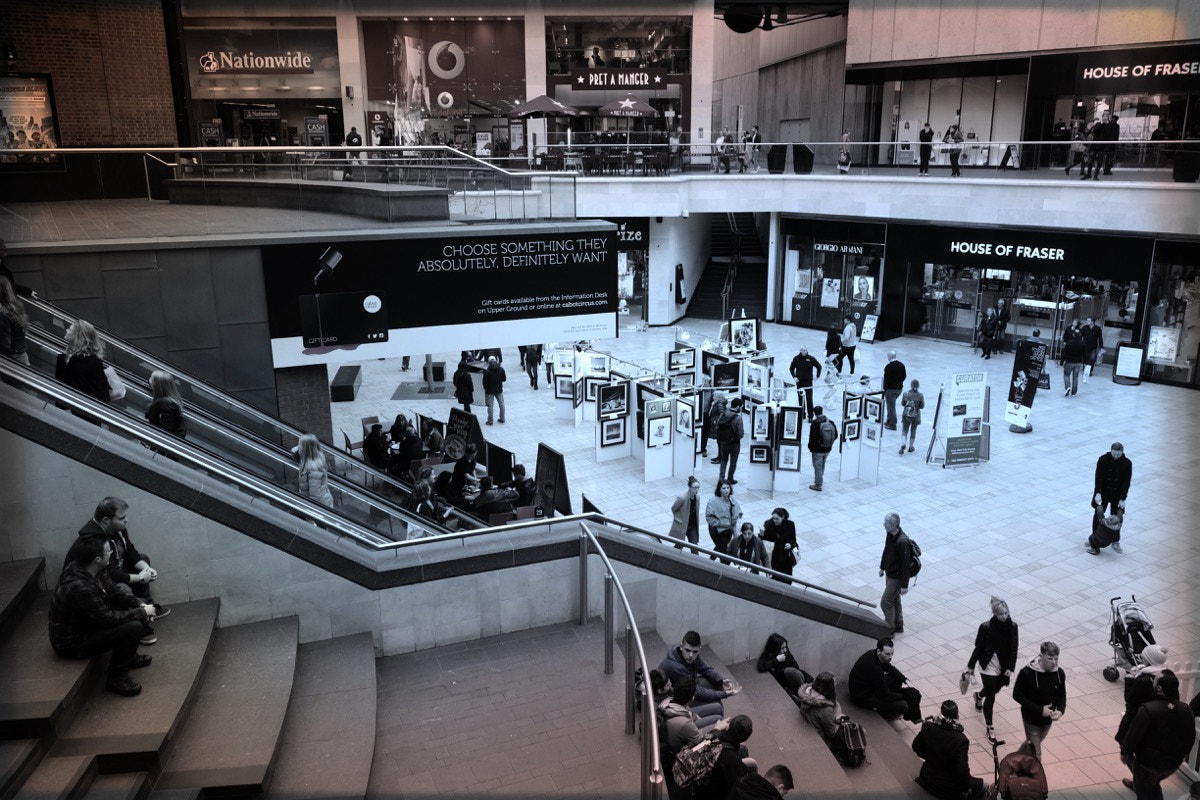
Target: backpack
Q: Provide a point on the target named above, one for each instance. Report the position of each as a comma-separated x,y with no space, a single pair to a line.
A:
826,433
694,764
914,561
849,744
910,410
725,431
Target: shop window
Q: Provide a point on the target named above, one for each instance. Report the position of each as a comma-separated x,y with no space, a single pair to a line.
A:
1173,313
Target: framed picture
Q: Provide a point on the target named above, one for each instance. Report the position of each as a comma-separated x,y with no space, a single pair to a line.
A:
612,431
683,380
684,358
727,376
597,363
685,418
760,454
870,435
873,409
743,335
592,387
578,392
709,359
850,430
661,407
29,121
756,382
658,431
564,387
788,458
790,430
853,408
831,292
760,424
564,362
614,400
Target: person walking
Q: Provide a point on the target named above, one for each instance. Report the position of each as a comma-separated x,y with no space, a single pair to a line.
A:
464,386
1114,473
748,546
912,403
353,139
926,137
1041,691
803,369
1159,739
833,343
995,652
848,344
952,144
822,434
722,513
685,514
988,326
1073,353
533,360
781,532
895,564
82,365
730,432
493,387
1092,339
1003,317
893,384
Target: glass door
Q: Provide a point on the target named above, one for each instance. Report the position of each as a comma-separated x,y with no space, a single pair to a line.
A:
950,297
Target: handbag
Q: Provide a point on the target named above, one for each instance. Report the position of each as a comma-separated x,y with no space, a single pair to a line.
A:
116,387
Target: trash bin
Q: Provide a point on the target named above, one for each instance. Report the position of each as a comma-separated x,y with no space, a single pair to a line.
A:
802,159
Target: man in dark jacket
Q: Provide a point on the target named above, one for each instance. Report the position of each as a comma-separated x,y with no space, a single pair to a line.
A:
946,773
1104,143
821,429
772,786
375,448
127,569
522,485
89,616
875,683
684,660
1073,355
896,564
533,358
802,371
493,500
493,387
730,767
893,385
1114,472
729,440
1159,738
1041,690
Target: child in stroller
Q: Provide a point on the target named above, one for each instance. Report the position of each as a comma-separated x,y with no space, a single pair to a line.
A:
1129,635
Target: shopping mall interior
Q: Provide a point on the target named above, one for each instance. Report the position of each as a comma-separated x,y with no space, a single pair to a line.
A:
192,190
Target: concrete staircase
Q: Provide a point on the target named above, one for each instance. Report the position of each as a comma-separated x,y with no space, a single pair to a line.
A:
220,711
732,235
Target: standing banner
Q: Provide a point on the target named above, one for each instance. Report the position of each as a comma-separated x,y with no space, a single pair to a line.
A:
1028,364
964,426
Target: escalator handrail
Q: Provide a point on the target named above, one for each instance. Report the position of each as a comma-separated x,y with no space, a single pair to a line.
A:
25,377
195,384
278,455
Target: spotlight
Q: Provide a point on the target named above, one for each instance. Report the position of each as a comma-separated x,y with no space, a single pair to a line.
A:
329,261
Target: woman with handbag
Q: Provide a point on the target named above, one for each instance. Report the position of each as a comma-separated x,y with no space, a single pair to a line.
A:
781,531
952,144
82,366
722,513
996,654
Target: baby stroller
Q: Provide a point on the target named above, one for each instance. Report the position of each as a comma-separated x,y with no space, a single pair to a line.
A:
1129,636
1019,775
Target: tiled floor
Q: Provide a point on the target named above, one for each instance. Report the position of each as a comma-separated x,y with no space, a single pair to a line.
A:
1013,527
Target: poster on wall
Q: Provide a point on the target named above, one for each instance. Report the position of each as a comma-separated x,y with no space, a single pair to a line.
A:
831,292
508,289
28,122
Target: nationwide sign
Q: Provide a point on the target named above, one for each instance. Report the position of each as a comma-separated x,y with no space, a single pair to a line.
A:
293,62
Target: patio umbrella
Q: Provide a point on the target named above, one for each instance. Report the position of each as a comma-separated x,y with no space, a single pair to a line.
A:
542,107
628,106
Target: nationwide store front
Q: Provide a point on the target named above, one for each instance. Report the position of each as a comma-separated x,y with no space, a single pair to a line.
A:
254,83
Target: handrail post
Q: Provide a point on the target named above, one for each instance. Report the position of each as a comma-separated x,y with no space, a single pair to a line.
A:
583,578
631,681
608,623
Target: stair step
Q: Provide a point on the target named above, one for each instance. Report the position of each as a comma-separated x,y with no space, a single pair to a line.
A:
893,764
131,734
41,693
18,757
119,786
329,735
230,739
19,581
58,778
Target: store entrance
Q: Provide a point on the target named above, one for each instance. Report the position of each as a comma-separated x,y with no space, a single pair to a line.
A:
950,301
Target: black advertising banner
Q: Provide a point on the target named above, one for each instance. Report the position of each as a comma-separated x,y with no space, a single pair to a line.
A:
410,296
463,429
550,491
1028,364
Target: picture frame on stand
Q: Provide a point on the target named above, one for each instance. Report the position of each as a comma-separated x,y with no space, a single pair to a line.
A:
658,431
873,409
592,387
564,387
853,408
685,418
613,399
612,432
678,360
790,429
760,425
788,458
743,335
850,430
760,454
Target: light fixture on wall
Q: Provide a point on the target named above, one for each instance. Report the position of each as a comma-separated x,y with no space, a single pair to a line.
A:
329,261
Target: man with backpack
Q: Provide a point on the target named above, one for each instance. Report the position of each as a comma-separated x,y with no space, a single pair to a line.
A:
822,434
729,440
895,563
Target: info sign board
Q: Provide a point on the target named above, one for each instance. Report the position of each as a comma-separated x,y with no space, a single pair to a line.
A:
964,426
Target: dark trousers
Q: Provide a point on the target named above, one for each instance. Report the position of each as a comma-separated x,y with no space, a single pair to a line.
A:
926,152
1147,781
889,398
122,640
991,686
954,171
531,369
720,539
692,535
843,354
729,457
807,391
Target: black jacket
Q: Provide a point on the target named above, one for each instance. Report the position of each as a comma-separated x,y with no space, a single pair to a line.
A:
1034,689
753,786
814,435
464,387
84,603
896,560
1161,734
995,638
125,555
946,772
165,413
1113,476
1074,351
781,535
872,682
894,375
493,379
84,373
802,369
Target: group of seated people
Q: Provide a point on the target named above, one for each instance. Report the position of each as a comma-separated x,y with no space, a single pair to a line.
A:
396,450
689,697
462,488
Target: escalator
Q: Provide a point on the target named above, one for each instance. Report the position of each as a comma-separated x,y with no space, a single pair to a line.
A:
245,438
